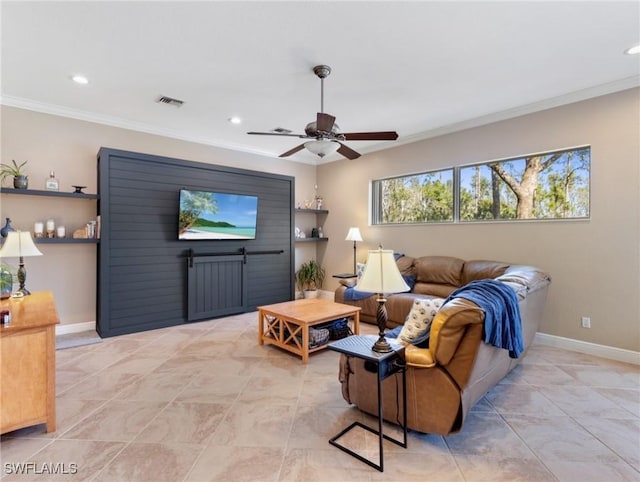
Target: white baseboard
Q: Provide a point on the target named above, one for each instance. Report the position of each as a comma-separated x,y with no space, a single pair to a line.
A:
75,327
610,352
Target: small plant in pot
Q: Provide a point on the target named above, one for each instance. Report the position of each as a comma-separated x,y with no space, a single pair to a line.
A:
6,281
20,179
309,278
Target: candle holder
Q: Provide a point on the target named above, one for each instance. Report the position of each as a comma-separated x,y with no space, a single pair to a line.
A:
51,228
38,229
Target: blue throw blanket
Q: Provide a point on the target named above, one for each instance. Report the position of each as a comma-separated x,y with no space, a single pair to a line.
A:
352,294
502,322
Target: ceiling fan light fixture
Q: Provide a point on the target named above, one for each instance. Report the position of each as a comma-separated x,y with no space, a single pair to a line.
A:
80,79
633,50
322,147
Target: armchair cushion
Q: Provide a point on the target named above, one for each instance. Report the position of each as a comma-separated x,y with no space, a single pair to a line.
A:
439,269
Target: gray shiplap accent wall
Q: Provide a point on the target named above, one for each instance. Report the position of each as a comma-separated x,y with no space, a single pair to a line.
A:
142,266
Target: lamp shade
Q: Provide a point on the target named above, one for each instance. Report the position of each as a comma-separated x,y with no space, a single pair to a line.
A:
19,244
353,235
322,147
381,274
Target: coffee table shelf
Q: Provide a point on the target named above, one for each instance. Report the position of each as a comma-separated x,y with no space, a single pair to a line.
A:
286,325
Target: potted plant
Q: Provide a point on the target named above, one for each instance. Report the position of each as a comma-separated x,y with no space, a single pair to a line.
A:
20,179
6,281
309,278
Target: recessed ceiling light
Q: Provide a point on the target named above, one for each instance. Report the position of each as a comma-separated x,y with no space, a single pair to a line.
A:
633,50
235,120
80,79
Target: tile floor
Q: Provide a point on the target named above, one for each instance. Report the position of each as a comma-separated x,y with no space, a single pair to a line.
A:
205,402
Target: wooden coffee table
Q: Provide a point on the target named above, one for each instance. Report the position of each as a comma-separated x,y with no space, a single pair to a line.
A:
286,325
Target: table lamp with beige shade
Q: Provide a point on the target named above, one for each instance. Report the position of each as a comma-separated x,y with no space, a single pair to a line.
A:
382,276
19,244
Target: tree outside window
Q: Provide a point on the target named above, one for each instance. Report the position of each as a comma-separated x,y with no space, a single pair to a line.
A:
551,185
421,198
541,186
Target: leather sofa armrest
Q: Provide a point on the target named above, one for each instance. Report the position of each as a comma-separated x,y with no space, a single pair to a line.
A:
338,295
447,331
449,327
418,357
524,279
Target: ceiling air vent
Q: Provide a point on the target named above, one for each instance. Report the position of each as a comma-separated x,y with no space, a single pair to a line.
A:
170,100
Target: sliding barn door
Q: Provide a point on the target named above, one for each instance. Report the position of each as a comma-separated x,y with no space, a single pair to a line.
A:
217,286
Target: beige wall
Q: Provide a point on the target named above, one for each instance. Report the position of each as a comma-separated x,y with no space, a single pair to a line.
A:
69,147
594,264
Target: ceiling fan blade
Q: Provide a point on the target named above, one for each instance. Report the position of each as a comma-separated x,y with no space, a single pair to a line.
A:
371,136
324,122
347,151
281,134
292,151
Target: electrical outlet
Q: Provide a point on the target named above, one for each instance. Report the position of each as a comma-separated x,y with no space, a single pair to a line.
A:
586,322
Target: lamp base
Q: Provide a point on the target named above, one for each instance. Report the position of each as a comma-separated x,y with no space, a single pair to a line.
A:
381,345
22,278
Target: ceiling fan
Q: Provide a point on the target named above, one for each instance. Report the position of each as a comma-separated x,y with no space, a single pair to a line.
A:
325,133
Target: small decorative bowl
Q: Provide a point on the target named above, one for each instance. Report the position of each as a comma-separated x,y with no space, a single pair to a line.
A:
79,189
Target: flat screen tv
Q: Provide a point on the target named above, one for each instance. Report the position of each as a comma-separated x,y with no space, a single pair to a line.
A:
216,215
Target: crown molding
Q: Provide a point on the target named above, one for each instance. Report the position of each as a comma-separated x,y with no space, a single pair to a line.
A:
570,98
576,96
53,109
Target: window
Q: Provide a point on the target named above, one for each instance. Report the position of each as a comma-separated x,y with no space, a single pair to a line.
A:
420,198
553,185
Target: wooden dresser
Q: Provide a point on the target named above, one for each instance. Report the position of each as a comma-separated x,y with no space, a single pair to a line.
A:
28,363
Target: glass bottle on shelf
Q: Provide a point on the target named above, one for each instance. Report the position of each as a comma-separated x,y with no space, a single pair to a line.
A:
52,184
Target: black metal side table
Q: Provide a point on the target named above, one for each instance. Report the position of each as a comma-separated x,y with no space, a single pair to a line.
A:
359,346
345,275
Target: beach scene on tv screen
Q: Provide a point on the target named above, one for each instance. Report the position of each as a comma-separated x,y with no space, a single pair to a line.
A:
212,215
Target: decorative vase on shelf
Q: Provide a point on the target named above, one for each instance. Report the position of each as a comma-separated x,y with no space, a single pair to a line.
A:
4,232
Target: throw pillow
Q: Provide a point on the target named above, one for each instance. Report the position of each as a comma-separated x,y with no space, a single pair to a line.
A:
418,323
410,280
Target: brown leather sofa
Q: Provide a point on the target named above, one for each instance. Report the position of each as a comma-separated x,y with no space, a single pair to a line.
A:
457,369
